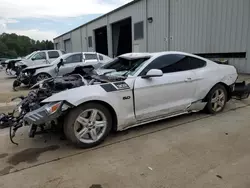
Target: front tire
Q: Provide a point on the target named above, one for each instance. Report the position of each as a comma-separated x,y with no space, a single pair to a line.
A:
88,125
216,99
42,76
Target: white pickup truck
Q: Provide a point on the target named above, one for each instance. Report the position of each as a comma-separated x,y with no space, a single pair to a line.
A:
14,66
41,57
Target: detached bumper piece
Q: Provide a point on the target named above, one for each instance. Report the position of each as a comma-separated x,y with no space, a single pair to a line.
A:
241,91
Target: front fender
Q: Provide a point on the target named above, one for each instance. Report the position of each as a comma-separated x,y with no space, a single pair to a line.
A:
77,96
121,100
47,70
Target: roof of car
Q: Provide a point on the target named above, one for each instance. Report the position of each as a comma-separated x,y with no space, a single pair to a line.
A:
136,55
148,55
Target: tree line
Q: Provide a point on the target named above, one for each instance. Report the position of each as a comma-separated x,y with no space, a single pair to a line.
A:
13,45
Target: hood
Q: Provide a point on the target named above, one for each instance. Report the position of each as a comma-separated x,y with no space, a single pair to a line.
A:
27,62
72,95
38,66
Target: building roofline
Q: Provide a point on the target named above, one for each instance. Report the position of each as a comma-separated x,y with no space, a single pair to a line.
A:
104,15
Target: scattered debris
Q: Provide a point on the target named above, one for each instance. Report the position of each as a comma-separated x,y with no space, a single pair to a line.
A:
95,186
2,155
6,170
218,176
150,168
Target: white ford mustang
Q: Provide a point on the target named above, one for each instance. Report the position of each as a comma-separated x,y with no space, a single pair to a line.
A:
145,87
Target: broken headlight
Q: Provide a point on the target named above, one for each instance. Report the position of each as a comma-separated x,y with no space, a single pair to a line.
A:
51,108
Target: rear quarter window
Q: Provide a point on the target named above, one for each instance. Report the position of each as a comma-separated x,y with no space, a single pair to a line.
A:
90,57
100,57
53,54
196,63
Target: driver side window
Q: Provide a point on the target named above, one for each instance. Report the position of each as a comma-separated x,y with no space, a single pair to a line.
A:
168,64
39,56
76,58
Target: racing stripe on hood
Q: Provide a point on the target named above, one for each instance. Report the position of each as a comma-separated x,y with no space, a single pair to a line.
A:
117,86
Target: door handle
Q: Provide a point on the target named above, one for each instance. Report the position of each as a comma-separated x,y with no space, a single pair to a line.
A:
188,80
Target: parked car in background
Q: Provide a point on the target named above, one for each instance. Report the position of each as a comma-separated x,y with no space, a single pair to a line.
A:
145,87
14,66
40,58
10,64
32,74
2,61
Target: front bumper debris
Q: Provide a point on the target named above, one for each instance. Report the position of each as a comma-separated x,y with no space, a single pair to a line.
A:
241,90
24,78
41,116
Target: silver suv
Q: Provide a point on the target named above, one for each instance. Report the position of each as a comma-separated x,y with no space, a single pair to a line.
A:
33,74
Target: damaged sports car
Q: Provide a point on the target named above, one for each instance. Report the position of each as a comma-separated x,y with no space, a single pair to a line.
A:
142,88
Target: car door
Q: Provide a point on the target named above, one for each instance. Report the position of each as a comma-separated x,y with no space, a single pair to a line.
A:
53,55
91,59
70,64
169,94
39,58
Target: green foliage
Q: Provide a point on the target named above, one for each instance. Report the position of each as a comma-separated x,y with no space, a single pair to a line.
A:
13,45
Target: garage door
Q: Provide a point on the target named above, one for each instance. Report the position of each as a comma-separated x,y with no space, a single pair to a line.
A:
68,46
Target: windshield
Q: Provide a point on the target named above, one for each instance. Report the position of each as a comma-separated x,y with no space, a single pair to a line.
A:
129,66
30,55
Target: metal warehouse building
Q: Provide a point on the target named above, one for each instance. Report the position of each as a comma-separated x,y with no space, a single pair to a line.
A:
211,28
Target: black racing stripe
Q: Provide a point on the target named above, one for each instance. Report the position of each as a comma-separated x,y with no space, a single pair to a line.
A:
108,87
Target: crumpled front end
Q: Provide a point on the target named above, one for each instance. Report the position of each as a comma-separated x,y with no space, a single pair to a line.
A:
47,113
26,77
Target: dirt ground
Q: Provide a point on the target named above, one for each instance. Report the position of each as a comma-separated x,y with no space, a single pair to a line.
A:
196,150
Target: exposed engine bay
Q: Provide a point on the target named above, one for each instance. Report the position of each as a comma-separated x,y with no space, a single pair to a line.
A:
47,88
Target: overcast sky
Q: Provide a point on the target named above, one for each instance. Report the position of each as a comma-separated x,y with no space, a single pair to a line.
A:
45,19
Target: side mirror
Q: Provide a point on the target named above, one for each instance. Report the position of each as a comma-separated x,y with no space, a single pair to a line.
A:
61,63
33,58
153,73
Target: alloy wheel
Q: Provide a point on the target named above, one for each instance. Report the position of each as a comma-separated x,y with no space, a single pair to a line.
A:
42,77
90,126
218,100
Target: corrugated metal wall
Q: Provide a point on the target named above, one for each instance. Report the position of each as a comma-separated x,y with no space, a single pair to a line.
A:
158,29
209,26
83,38
76,41
248,44
196,26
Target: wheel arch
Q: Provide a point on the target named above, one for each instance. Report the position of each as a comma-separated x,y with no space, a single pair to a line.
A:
227,87
42,72
111,110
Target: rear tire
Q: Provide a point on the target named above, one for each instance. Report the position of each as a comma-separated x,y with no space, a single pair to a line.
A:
216,99
88,125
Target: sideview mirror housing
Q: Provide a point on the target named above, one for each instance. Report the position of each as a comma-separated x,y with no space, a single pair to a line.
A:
33,58
153,73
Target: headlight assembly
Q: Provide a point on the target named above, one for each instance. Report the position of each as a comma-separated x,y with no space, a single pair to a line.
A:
51,108
20,63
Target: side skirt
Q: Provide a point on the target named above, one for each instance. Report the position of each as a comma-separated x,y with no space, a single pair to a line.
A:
194,107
